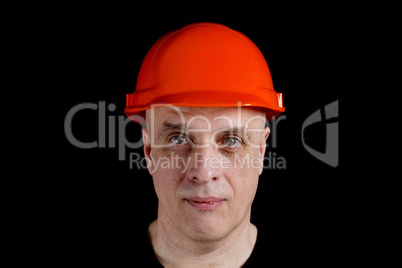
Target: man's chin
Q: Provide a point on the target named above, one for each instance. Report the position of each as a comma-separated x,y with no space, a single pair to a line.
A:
206,231
206,237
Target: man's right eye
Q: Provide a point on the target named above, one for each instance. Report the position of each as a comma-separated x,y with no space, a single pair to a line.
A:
179,139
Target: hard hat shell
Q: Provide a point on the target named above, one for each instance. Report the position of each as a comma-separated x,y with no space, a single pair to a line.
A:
204,65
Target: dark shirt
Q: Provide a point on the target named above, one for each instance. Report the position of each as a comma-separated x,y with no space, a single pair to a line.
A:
116,245
259,257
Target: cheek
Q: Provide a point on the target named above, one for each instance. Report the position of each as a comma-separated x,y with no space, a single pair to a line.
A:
247,185
245,174
166,174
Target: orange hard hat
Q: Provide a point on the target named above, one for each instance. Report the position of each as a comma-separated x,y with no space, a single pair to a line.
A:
204,65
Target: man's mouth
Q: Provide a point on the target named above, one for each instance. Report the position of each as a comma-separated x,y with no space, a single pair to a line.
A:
205,203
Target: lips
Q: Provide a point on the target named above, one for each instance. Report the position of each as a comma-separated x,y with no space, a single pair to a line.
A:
205,203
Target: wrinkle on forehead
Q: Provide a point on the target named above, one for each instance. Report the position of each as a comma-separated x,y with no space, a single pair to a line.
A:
202,112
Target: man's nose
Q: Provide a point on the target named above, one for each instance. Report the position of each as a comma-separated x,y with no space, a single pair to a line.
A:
205,165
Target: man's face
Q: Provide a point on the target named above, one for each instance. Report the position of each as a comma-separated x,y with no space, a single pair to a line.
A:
205,164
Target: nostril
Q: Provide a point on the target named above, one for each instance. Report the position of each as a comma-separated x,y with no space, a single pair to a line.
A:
202,178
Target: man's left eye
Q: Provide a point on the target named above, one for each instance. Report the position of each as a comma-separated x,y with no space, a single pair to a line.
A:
230,142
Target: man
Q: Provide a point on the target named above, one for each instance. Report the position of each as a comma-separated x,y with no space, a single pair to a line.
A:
206,93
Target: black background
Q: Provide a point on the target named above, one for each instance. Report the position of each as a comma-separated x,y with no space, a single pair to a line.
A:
313,54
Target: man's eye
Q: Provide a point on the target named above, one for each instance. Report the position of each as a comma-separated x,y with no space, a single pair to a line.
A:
231,142
180,139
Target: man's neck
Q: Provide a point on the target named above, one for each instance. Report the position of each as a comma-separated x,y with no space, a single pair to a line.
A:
173,249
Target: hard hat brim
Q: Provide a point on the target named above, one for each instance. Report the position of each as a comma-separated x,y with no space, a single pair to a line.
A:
138,102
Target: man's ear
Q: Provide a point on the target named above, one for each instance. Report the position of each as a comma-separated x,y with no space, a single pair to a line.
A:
263,146
147,148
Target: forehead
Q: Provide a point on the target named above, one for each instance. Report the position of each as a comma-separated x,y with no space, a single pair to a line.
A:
202,116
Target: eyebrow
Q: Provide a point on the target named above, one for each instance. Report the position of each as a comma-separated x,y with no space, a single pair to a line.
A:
169,126
236,130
